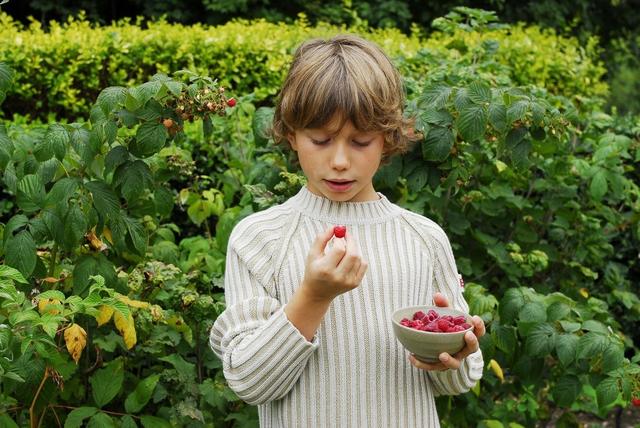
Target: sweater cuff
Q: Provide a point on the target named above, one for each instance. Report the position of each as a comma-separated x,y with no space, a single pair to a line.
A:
453,382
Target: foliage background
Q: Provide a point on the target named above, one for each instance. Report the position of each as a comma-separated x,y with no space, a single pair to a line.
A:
95,183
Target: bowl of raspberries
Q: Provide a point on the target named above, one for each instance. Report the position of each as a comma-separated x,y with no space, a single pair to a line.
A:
428,331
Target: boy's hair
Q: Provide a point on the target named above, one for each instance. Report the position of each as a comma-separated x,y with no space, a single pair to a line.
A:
347,76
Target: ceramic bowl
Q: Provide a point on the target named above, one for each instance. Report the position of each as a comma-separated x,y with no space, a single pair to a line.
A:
426,345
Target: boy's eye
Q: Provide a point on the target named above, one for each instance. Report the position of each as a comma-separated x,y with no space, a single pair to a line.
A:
319,142
361,143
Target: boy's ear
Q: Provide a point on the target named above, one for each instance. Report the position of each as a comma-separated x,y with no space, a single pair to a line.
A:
291,137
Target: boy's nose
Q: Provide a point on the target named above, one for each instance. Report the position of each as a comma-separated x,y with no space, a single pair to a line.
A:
340,157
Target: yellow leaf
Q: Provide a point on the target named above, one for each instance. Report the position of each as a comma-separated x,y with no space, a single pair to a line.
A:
126,327
76,339
133,303
584,293
476,389
107,235
44,303
105,315
496,369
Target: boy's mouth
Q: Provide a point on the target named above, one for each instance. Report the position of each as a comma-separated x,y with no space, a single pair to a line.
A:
339,185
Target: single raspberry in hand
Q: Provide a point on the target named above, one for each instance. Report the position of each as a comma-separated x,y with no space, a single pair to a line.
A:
340,231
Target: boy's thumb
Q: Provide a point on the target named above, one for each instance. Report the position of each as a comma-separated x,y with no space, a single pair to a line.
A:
320,243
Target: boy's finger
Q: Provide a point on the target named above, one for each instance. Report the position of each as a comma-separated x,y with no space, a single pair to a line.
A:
334,255
321,241
478,326
440,300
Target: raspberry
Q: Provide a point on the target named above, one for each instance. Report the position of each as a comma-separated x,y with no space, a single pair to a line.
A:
168,123
419,315
636,401
340,231
459,320
432,315
443,325
231,102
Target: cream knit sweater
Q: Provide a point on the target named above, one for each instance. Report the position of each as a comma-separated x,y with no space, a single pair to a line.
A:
354,373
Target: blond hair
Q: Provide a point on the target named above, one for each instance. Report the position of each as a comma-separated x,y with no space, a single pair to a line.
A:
345,76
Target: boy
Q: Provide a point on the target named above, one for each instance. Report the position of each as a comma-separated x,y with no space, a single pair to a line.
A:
307,333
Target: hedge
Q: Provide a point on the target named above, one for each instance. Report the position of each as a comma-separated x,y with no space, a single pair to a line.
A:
60,69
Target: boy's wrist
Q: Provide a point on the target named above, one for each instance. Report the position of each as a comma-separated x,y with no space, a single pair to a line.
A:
310,297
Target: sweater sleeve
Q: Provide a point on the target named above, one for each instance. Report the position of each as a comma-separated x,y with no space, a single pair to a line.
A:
262,353
447,281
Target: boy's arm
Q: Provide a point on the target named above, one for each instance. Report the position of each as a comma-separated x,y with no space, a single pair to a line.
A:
447,281
262,353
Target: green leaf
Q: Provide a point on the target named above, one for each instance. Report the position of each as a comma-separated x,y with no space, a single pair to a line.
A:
510,305
76,416
61,191
127,422
607,392
150,138
12,274
261,123
598,186
439,117
116,157
141,395
134,178
104,199
520,154
472,122
186,371
566,390
517,111
504,338
58,139
498,116
107,382
479,92
612,357
137,234
570,327
75,226
88,265
436,96
110,98
79,139
20,253
154,422
6,77
566,348
31,193
557,310
541,340
101,420
591,344
164,201
533,312
5,420
437,144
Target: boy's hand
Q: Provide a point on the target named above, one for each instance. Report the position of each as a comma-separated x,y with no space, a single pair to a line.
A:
453,361
331,272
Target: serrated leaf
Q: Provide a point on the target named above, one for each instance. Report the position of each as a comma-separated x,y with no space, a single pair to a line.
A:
107,382
75,338
261,123
54,143
31,193
20,253
566,390
137,234
510,305
557,311
591,344
75,226
60,193
102,420
607,392
141,395
116,157
436,96
154,422
104,315
498,116
104,199
598,187
612,358
566,348
12,274
110,98
150,138
504,337
541,340
472,122
479,92
437,144
517,111
77,416
126,327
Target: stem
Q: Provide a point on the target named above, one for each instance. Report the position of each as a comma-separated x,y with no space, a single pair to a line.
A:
102,410
56,416
35,398
198,359
52,264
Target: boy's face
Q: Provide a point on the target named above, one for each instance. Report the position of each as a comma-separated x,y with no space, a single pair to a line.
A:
339,165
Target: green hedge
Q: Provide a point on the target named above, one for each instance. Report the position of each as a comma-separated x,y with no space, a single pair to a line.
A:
60,69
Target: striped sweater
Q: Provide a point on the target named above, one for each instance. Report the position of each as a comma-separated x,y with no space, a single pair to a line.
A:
354,373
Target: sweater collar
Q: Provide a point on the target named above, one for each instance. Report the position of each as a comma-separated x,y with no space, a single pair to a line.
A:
321,208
